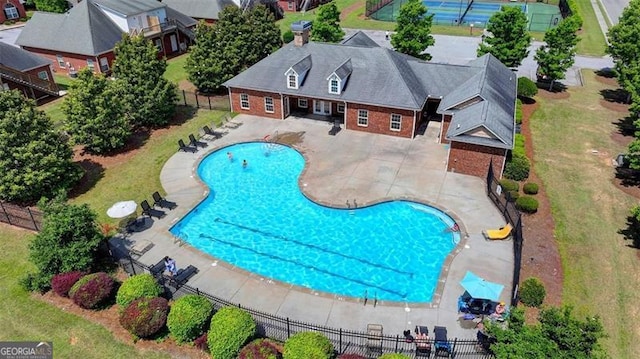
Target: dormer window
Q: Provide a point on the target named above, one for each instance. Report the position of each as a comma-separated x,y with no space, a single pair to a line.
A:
292,81
334,86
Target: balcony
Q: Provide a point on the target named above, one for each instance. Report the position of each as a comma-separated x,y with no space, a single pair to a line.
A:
161,28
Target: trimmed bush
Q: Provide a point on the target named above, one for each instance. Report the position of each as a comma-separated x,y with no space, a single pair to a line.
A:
513,196
393,356
352,356
532,292
230,329
517,168
287,36
509,185
137,286
519,114
530,188
518,146
201,343
62,283
91,290
189,317
260,349
306,345
526,87
145,316
527,204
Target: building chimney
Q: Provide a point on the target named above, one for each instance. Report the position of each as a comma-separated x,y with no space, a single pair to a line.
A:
300,31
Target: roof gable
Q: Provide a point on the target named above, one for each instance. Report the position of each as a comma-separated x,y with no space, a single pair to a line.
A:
200,9
130,7
19,59
359,38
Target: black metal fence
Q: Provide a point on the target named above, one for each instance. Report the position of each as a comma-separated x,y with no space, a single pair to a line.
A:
281,328
23,217
195,99
511,215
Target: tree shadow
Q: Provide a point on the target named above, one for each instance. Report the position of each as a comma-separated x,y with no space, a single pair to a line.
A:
527,100
628,177
606,72
626,126
93,172
546,85
618,95
631,232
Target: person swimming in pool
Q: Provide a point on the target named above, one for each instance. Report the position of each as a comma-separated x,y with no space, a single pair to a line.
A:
244,164
230,156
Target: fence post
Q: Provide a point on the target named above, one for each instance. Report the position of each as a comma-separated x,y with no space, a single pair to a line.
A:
35,225
184,97
6,214
453,349
133,268
209,99
288,329
197,102
340,342
397,341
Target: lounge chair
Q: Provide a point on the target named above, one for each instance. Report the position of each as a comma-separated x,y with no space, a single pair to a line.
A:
229,123
207,131
374,339
149,211
157,269
195,143
158,200
423,345
441,343
498,234
183,275
185,148
335,128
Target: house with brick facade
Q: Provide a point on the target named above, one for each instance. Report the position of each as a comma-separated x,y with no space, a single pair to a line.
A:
374,89
12,10
26,72
86,35
206,10
300,5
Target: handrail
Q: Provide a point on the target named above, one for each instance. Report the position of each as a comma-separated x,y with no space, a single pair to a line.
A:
28,79
155,29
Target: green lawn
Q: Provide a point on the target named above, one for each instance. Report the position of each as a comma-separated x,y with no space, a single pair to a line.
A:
25,318
175,69
591,38
573,158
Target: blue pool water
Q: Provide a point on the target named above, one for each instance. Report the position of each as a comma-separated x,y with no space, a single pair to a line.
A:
257,218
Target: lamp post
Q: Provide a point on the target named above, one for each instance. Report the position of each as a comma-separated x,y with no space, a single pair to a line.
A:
471,29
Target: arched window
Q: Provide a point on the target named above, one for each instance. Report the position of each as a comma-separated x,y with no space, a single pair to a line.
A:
11,11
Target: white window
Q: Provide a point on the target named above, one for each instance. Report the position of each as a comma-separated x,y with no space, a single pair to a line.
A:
60,61
158,43
303,103
11,12
268,104
292,81
290,5
340,108
90,65
43,75
244,101
363,118
396,121
334,86
104,64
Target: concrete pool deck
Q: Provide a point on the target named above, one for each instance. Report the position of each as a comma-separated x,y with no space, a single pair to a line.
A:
351,165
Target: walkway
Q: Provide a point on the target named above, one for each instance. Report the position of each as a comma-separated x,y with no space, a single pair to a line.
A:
350,165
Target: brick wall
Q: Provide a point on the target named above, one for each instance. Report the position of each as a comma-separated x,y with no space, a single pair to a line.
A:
379,120
446,122
76,62
284,4
21,12
256,103
28,91
474,160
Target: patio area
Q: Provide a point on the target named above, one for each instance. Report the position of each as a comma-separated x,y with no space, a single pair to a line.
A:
350,166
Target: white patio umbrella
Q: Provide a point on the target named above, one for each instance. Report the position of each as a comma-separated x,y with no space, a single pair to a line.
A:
122,209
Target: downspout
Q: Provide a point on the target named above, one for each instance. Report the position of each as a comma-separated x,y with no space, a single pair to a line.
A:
344,115
281,106
504,162
230,100
413,128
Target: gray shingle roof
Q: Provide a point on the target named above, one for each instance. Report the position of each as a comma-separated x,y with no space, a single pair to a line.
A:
359,38
19,59
344,70
301,67
174,14
200,9
130,7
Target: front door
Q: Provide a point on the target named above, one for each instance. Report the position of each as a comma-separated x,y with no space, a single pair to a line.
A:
174,43
321,107
286,106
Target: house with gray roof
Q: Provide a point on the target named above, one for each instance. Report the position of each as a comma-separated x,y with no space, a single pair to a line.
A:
374,89
206,10
86,35
26,72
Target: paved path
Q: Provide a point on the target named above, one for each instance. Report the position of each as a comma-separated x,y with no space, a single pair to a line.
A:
370,168
613,9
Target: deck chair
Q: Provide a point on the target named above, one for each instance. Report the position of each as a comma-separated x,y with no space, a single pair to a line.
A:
157,269
185,148
158,200
183,275
227,122
150,211
374,339
441,343
208,132
423,345
498,234
335,128
195,143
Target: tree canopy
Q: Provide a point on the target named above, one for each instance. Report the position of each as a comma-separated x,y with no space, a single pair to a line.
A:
149,98
238,40
509,39
35,159
57,6
624,48
557,55
326,26
413,30
95,114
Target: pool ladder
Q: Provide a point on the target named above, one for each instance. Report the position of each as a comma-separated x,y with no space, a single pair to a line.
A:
355,204
366,298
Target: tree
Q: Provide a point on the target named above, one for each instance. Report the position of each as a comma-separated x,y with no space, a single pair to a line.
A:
557,55
624,48
265,36
326,26
509,37
149,98
205,66
57,6
526,87
95,115
68,241
35,159
413,30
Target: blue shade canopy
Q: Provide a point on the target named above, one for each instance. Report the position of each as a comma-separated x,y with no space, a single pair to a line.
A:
480,288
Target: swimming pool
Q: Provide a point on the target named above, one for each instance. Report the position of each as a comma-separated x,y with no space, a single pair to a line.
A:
257,219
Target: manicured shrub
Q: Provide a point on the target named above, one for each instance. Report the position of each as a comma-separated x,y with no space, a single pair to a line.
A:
517,168
518,146
91,290
201,343
512,196
352,356
526,87
287,36
393,356
530,188
230,329
509,185
532,292
137,286
189,317
519,114
260,349
145,316
527,204
308,345
62,283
